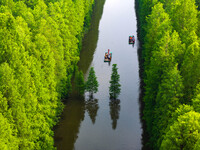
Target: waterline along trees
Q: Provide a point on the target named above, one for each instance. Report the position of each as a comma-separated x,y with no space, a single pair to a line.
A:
114,89
92,84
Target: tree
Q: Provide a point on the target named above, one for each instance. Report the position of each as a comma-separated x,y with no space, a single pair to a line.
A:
184,16
190,67
158,23
170,62
184,133
181,110
92,83
79,82
114,88
38,51
167,100
156,57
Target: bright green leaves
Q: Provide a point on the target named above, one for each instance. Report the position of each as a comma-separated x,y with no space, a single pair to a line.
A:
160,51
184,133
184,16
158,23
7,139
7,37
167,101
191,65
38,51
196,99
171,65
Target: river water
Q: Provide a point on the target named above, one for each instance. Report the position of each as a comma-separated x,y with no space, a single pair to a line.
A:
101,123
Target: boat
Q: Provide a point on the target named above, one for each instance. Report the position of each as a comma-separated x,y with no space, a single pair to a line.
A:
108,56
131,39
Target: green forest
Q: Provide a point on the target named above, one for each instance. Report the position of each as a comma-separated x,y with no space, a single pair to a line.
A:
169,32
40,42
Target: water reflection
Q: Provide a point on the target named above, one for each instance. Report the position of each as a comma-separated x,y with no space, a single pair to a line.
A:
145,135
67,130
92,107
90,39
101,136
114,112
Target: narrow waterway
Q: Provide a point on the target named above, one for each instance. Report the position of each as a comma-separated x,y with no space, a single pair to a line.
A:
101,123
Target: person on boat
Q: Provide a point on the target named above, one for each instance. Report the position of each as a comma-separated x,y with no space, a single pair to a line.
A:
106,56
133,38
109,56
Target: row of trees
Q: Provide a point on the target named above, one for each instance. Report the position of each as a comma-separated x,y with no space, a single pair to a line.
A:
169,33
39,46
92,84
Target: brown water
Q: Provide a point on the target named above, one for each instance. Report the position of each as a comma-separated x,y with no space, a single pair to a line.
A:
99,123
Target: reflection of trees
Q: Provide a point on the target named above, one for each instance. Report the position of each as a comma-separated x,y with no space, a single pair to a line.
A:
92,108
114,112
89,42
66,133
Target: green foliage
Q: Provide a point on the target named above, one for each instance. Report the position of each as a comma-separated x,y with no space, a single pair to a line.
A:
198,28
88,13
158,57
181,110
184,133
190,66
79,83
158,23
92,84
7,138
114,89
167,100
169,33
38,51
184,16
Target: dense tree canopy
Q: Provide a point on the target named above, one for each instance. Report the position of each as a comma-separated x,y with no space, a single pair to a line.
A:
39,46
184,133
169,31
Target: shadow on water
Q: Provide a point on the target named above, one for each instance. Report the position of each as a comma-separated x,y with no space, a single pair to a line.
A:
114,112
66,132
